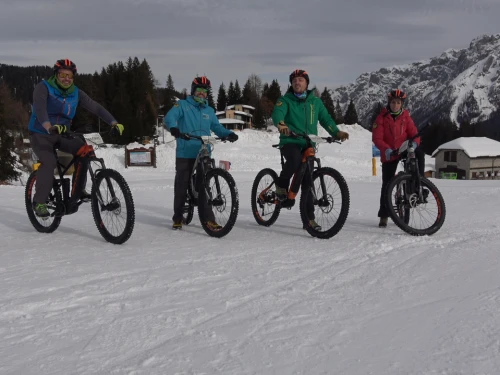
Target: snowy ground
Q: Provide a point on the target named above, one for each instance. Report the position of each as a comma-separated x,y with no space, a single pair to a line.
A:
261,300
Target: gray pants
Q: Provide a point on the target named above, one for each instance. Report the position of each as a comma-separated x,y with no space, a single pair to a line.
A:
183,168
43,145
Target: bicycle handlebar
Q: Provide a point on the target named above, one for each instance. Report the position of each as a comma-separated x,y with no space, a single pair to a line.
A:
314,138
202,138
419,133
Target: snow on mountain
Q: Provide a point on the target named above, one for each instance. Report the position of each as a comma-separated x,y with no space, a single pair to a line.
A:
458,84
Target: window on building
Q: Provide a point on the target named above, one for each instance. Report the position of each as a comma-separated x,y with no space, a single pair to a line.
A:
450,156
474,174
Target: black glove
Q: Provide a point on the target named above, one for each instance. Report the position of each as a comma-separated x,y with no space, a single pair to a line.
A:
175,132
232,137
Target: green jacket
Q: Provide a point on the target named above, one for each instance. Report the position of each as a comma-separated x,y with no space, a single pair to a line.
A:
302,116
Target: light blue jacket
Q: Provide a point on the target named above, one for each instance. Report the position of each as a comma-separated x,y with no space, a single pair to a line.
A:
193,118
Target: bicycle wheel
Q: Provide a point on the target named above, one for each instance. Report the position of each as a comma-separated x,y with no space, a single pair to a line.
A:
222,196
330,206
421,217
265,210
113,206
54,201
399,200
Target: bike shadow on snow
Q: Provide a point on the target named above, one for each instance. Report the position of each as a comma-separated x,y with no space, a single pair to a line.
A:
21,223
165,220
294,229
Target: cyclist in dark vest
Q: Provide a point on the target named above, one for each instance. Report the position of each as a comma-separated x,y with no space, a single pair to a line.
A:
55,101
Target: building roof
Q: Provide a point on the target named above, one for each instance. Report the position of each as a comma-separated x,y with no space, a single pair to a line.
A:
242,105
230,121
220,113
243,113
474,147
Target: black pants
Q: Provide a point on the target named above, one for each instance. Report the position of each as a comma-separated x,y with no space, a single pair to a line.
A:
389,170
183,169
293,159
43,145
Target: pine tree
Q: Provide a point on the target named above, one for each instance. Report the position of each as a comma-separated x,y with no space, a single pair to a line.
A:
221,98
247,95
170,83
316,92
265,89
259,121
351,116
231,94
466,129
210,98
338,114
327,100
7,158
168,96
274,91
237,92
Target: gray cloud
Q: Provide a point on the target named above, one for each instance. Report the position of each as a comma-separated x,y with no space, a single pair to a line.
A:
228,39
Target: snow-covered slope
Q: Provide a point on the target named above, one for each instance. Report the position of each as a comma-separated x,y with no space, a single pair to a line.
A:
260,300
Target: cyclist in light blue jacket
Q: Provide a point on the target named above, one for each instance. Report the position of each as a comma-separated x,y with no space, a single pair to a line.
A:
192,116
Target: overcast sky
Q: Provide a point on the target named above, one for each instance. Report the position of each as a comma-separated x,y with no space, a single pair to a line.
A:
334,40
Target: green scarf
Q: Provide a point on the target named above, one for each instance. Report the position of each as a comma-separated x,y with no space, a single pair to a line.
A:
64,91
200,100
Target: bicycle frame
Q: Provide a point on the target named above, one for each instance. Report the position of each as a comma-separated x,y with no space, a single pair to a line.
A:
203,164
62,170
409,162
307,167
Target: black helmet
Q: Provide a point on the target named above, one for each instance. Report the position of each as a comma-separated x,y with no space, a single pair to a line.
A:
64,64
299,73
202,82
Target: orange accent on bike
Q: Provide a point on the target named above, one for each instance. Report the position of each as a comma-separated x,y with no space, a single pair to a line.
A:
291,195
308,152
85,150
440,208
77,176
30,189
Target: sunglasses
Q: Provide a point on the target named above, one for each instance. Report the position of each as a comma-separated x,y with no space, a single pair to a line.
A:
199,89
65,75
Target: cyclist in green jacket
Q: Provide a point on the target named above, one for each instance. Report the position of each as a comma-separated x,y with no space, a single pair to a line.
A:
299,110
